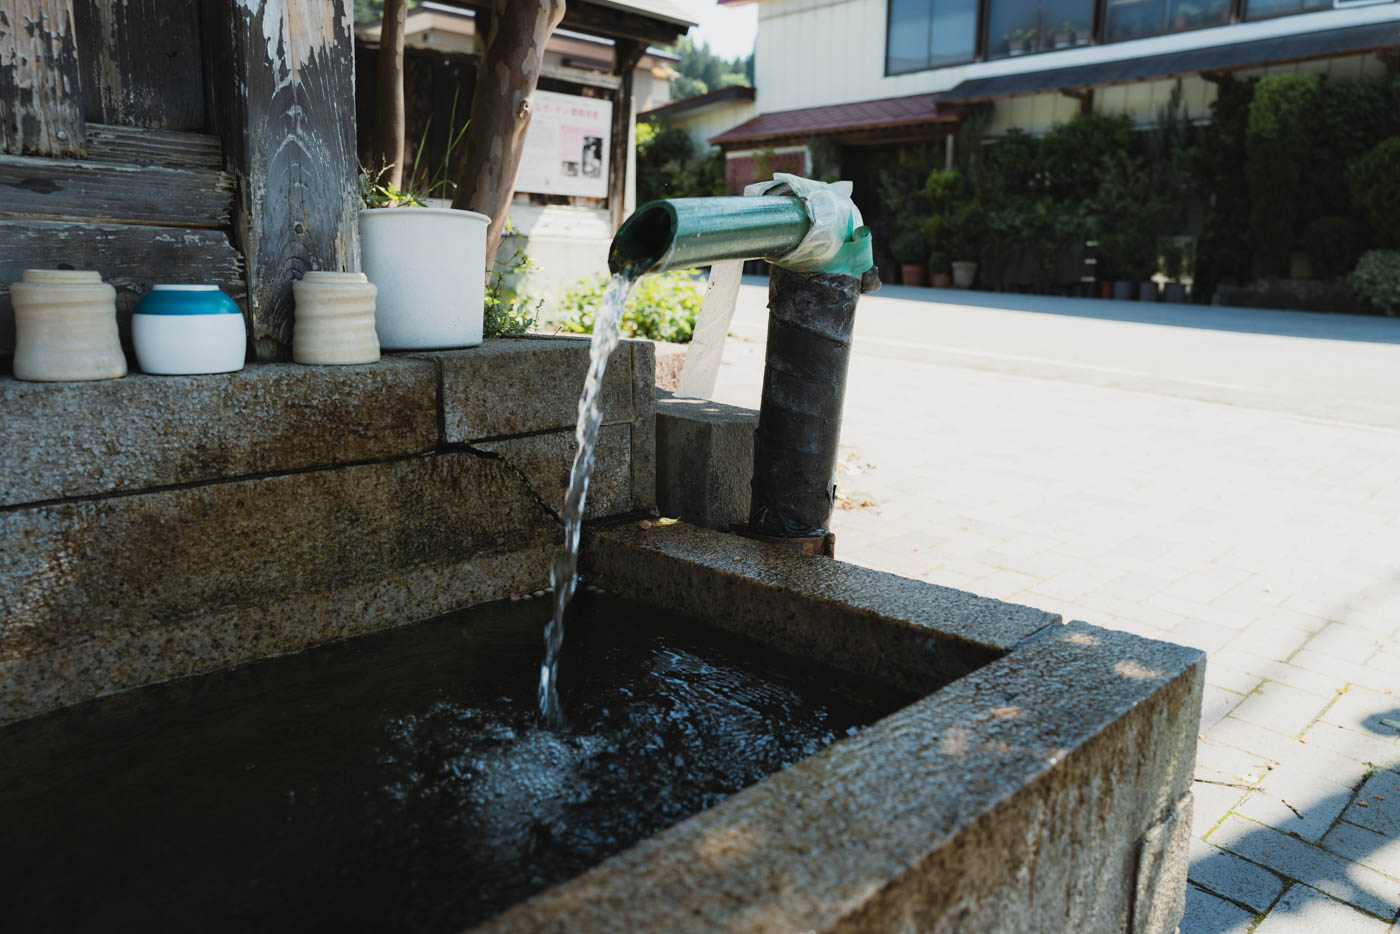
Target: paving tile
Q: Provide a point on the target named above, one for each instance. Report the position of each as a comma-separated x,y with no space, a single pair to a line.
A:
1295,859
1360,708
1223,675
1375,751
1211,802
1349,643
1294,801
1239,880
1366,675
1305,910
1199,634
1379,851
1207,914
1228,764
1377,804
1281,707
1215,704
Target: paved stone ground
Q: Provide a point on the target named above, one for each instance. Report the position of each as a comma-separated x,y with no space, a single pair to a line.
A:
1235,488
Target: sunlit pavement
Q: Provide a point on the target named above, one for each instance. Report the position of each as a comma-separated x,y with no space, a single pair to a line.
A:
1223,478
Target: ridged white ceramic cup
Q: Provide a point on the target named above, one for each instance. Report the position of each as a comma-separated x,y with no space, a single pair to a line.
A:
65,326
334,321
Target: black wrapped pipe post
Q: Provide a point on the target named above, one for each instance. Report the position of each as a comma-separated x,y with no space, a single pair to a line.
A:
810,320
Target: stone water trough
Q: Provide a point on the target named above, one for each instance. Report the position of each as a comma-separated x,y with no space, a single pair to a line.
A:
158,528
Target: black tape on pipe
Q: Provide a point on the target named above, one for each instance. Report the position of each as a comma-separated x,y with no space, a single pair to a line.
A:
810,319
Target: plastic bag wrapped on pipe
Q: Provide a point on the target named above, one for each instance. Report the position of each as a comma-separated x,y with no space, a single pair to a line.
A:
838,241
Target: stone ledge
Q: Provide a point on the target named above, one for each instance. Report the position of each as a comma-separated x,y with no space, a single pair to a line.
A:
535,384
545,461
1018,797
840,614
111,593
66,440
63,440
704,461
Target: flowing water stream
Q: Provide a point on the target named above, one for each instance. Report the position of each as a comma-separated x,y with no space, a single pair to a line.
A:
563,575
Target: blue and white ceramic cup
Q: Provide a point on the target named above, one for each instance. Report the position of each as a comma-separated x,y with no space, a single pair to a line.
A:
181,329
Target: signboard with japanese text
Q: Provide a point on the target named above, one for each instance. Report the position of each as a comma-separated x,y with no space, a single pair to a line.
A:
566,146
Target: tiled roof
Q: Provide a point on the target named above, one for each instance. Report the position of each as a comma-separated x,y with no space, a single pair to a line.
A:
863,115
723,95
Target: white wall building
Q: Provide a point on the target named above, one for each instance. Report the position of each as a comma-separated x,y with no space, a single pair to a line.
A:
876,72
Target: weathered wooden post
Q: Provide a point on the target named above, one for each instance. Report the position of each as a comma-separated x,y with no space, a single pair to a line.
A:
281,78
626,54
41,98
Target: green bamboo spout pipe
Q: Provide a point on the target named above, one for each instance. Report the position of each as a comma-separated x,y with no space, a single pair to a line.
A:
677,233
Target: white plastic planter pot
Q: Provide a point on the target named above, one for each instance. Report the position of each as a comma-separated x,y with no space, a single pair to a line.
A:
184,329
430,267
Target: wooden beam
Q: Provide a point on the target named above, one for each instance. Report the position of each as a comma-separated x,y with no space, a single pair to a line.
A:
174,149
41,96
282,88
586,17
626,54
58,189
1085,98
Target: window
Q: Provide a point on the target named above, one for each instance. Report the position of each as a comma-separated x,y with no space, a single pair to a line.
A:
1128,19
1263,9
1015,27
929,33
1188,14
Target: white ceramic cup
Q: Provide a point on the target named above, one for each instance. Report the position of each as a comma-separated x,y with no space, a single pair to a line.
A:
185,329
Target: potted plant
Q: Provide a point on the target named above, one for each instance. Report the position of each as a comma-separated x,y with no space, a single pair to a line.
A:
910,250
1218,11
1082,34
1187,14
1064,35
429,263
938,270
1173,267
1017,41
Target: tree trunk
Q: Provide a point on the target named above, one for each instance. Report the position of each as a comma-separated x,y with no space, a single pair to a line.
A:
389,135
501,109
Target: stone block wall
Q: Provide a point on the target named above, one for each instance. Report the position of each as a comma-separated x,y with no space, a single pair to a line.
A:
155,527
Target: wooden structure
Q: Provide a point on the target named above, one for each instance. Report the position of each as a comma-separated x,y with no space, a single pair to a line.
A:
212,141
208,141
433,79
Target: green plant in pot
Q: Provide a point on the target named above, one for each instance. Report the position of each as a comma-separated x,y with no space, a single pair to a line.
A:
429,263
1172,253
938,269
965,236
910,250
1018,41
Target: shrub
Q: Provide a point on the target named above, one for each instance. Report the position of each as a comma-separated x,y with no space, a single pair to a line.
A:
1074,151
1375,187
662,307
669,165
1278,140
1333,244
505,309
1376,280
1350,119
909,246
